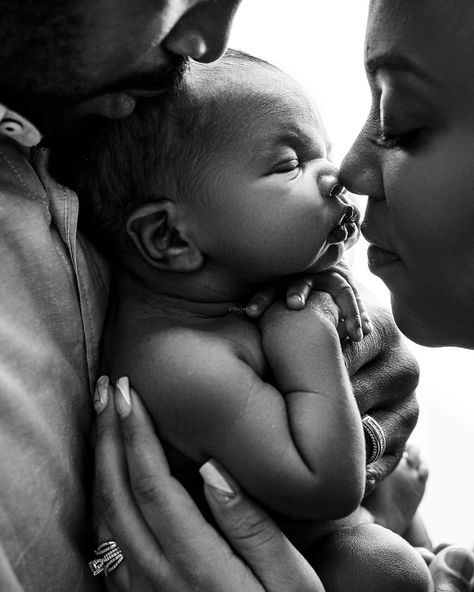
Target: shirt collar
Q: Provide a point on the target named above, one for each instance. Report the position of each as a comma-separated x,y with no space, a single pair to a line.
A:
15,126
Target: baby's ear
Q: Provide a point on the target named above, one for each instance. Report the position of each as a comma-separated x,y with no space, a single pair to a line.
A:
159,234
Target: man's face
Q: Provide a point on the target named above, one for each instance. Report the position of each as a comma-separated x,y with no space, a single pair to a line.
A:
414,158
98,56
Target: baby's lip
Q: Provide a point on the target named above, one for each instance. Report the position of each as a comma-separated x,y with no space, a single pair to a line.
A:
347,226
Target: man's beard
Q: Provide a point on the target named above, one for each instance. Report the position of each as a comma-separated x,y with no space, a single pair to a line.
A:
53,112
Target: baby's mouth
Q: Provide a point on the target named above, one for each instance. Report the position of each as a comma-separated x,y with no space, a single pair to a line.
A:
347,227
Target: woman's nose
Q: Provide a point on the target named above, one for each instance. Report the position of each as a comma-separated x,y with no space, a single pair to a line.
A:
360,169
203,31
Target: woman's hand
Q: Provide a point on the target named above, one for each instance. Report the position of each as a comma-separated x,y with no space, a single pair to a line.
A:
166,543
384,376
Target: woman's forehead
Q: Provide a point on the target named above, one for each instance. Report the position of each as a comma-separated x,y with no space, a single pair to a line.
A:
449,21
436,37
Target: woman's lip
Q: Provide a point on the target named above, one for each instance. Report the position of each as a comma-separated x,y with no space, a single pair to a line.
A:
378,257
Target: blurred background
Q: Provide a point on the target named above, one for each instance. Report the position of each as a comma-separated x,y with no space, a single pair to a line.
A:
320,43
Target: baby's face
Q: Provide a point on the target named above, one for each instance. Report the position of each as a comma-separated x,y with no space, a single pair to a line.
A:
415,160
274,205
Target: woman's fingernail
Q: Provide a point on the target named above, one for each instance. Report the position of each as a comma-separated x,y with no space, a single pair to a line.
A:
215,479
461,563
252,309
101,394
367,325
123,401
359,334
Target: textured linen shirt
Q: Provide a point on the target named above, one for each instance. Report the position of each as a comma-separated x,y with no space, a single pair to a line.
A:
53,296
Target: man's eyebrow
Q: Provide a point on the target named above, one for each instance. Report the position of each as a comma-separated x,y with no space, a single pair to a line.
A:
395,62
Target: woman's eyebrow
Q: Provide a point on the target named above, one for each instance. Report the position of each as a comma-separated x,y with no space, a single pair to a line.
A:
394,62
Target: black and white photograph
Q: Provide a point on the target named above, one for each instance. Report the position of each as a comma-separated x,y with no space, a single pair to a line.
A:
237,301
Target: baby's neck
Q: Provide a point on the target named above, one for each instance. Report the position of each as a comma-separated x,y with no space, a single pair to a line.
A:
199,295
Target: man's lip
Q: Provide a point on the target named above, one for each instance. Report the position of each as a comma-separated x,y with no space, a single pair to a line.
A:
139,93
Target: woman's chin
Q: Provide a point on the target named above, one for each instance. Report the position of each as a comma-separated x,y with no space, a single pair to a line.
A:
428,328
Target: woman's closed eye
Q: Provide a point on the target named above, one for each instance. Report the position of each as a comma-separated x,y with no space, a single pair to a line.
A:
407,140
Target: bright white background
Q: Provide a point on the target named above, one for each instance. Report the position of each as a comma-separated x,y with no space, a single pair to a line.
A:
320,43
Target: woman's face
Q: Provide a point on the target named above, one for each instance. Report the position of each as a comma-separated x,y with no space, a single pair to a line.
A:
414,159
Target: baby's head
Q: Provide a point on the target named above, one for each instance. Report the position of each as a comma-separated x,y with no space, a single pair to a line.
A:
232,169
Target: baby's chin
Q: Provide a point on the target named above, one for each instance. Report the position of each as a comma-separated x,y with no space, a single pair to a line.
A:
331,256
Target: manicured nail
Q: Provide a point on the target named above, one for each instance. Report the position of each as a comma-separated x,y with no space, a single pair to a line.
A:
101,394
367,325
461,563
359,334
214,478
123,401
252,309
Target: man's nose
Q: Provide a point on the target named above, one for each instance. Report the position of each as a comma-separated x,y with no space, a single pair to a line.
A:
203,31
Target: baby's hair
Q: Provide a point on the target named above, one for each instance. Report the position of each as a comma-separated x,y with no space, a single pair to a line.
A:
116,165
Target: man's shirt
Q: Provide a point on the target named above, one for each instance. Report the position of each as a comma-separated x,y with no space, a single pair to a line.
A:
53,295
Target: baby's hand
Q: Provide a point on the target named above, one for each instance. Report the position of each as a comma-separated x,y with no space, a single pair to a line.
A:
338,282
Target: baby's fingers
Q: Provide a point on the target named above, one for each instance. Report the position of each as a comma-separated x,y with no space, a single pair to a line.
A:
298,292
346,299
342,269
261,301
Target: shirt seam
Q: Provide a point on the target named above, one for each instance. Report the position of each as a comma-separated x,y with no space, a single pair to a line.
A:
22,181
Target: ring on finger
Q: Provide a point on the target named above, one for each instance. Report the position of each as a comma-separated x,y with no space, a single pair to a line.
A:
109,556
374,437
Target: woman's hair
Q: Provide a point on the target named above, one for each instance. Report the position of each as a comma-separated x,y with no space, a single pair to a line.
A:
116,165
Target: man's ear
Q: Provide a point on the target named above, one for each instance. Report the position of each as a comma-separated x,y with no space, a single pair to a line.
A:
158,233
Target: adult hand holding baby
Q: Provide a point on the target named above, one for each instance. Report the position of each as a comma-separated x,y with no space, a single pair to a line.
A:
165,541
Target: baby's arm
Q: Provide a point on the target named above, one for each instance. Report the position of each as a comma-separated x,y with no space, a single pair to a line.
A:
303,349
298,452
